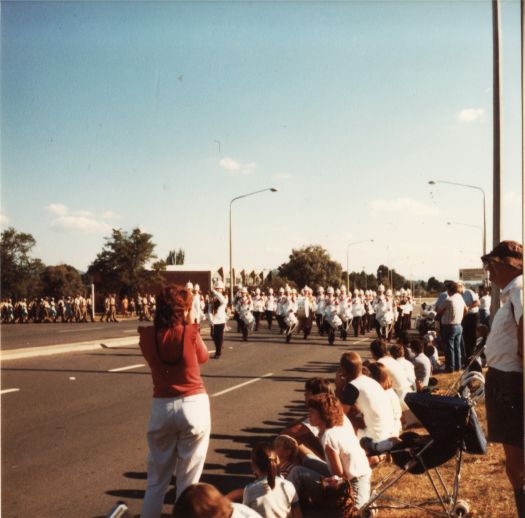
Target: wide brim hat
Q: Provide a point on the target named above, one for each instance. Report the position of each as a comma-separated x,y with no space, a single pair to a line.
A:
507,252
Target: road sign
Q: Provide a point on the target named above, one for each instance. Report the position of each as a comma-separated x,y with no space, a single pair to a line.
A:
471,274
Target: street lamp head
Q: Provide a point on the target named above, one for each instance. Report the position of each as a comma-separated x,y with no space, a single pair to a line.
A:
371,241
432,182
273,189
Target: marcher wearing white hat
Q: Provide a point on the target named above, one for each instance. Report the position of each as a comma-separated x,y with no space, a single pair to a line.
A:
269,307
319,312
217,316
258,307
198,305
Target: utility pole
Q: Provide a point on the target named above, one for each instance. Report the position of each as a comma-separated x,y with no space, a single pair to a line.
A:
496,144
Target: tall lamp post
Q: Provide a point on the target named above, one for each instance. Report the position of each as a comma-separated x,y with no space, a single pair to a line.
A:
434,182
471,226
347,272
232,280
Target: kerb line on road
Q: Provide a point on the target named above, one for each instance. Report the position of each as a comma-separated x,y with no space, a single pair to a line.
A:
235,387
129,367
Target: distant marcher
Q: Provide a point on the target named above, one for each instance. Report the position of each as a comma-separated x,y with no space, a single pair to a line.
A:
179,427
217,316
504,352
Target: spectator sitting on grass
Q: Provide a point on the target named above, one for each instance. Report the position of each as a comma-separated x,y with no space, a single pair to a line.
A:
378,372
287,451
400,354
344,455
270,495
364,400
422,365
400,382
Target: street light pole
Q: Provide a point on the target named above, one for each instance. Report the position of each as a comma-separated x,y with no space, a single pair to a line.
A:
232,280
472,226
434,182
347,272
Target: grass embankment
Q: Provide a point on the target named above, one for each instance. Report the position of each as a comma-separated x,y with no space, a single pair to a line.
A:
483,484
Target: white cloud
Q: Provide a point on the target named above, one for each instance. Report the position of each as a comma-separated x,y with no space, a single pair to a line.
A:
109,214
234,166
58,209
4,220
467,115
79,224
403,205
76,220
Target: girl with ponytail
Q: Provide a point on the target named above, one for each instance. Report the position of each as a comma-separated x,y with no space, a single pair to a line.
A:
270,495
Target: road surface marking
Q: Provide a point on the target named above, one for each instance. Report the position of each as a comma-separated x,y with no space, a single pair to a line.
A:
81,329
129,367
241,385
6,391
129,331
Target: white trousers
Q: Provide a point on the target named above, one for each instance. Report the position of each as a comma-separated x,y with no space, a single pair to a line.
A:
178,437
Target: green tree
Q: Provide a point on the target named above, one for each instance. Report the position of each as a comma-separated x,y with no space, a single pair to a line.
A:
61,280
435,286
311,265
121,265
20,276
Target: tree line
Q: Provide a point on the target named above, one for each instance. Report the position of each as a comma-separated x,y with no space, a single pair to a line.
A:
127,264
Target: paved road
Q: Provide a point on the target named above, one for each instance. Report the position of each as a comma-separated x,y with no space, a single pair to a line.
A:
18,336
73,434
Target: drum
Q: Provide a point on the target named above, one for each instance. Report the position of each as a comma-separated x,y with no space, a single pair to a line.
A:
247,317
290,320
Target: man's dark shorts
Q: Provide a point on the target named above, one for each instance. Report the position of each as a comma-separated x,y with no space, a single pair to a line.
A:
504,403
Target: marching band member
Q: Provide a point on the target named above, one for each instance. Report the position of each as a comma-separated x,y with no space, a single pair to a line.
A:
357,312
258,307
270,306
217,316
246,318
198,304
305,311
331,318
290,318
345,312
279,313
319,312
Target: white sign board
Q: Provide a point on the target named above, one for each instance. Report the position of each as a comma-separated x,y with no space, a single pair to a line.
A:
471,274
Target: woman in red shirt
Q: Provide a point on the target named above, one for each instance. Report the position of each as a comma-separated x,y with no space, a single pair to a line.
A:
179,427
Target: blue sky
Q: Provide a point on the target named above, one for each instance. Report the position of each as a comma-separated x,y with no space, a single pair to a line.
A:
158,114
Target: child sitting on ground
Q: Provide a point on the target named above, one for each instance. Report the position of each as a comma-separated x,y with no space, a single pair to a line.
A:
270,495
287,451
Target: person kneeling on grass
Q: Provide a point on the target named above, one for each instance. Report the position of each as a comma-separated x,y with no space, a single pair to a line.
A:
344,455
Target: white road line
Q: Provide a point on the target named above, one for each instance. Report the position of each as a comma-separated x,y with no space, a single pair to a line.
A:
129,367
241,385
129,331
81,329
6,391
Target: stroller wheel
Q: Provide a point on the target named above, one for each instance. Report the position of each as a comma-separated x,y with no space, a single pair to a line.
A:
369,512
462,508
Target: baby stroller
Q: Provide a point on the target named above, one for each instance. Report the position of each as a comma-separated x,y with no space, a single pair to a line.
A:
453,429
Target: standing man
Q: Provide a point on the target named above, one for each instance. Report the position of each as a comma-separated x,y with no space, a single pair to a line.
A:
504,352
452,312
470,320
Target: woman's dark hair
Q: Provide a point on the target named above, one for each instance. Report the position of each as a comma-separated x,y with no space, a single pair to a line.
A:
265,459
397,351
351,364
378,372
199,500
318,386
329,408
404,338
172,302
416,346
378,348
